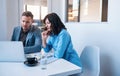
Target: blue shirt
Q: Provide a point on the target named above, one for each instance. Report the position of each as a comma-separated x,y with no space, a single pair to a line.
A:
63,47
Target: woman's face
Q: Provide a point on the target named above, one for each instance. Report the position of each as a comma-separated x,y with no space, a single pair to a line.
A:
48,25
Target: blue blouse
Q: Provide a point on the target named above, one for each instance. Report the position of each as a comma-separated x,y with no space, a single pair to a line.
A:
63,48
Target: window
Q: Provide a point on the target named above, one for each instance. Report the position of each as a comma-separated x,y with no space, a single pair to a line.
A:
87,10
38,8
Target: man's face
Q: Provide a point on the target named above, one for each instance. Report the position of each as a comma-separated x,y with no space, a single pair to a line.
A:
26,22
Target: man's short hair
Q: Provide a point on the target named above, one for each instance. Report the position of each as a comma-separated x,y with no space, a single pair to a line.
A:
28,14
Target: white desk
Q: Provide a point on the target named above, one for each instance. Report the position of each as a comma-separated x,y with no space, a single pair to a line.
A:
59,67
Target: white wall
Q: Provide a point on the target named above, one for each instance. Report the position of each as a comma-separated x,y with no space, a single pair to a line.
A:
10,17
105,35
3,21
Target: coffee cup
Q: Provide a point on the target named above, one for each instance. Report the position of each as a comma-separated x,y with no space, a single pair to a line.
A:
31,60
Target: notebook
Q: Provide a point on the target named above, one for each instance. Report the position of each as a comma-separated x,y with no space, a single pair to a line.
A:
11,51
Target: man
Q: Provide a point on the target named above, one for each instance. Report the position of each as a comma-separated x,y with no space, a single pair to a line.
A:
29,34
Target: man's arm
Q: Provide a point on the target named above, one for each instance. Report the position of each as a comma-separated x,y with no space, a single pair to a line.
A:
37,43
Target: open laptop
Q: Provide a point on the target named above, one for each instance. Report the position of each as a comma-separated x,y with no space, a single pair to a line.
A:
11,51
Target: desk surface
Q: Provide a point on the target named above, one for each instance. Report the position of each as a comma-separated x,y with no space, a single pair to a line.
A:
59,67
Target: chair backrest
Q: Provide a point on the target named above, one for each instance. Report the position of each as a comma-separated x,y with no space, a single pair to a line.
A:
90,58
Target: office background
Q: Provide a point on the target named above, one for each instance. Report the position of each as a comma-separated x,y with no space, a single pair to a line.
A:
106,35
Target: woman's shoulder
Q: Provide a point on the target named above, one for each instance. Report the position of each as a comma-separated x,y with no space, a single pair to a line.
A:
64,31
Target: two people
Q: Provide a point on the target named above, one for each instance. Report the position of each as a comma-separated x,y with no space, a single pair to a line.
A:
55,36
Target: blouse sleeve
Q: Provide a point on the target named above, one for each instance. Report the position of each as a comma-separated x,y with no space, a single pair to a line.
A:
48,45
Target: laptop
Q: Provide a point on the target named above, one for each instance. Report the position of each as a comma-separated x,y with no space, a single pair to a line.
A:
11,51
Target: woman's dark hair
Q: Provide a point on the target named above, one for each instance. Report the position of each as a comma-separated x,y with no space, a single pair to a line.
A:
56,23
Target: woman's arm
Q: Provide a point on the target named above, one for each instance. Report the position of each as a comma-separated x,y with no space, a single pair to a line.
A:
46,45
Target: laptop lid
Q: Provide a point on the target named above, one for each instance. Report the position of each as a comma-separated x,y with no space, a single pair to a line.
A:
11,51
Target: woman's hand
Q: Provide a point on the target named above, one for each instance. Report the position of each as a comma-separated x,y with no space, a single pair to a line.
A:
44,38
44,35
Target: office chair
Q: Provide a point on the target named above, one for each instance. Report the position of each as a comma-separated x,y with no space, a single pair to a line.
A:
90,59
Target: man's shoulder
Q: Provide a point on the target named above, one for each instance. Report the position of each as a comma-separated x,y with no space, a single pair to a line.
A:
35,28
17,27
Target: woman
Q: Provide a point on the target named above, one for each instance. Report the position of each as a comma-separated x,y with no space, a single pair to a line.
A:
56,36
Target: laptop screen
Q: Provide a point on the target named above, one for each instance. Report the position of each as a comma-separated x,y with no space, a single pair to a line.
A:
11,51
